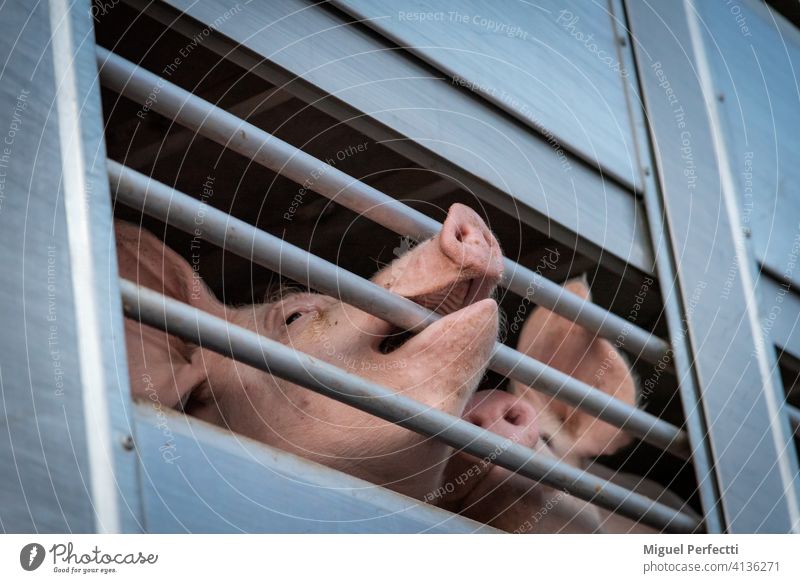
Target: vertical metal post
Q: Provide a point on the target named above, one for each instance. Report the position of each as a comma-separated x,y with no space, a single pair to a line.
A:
691,401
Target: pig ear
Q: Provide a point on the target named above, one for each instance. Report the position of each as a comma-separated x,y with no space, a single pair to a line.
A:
163,369
585,356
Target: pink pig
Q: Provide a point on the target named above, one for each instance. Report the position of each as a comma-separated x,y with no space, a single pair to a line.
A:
454,273
496,496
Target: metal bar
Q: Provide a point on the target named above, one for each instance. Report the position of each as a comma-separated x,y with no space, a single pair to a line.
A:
273,357
180,141
179,210
79,222
265,149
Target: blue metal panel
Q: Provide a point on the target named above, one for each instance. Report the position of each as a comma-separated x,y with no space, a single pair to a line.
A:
553,65
780,314
63,380
751,439
680,355
754,58
199,478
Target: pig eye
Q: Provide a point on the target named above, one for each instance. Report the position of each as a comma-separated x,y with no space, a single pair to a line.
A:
293,317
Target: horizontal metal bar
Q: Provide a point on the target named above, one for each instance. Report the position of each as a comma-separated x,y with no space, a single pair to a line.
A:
180,210
273,357
269,151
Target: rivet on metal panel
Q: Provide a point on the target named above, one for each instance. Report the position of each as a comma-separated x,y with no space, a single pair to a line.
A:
128,443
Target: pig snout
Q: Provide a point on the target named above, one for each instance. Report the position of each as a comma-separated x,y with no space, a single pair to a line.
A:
467,241
477,479
461,265
504,414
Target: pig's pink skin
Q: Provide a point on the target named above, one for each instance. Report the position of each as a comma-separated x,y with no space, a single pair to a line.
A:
498,497
453,273
576,436
510,502
505,415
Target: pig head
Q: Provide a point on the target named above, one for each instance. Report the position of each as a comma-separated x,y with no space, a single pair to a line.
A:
454,273
496,496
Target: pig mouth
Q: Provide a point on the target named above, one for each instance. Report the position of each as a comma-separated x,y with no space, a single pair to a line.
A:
444,301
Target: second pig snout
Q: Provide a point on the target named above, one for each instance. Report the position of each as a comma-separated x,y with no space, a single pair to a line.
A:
504,414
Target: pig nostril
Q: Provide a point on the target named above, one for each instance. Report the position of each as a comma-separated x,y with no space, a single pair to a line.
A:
511,417
459,236
476,420
395,340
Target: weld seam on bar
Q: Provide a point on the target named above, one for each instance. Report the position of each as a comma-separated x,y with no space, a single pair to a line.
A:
273,153
179,210
187,322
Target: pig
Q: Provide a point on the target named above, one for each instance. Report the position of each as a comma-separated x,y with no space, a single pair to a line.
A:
454,273
500,498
